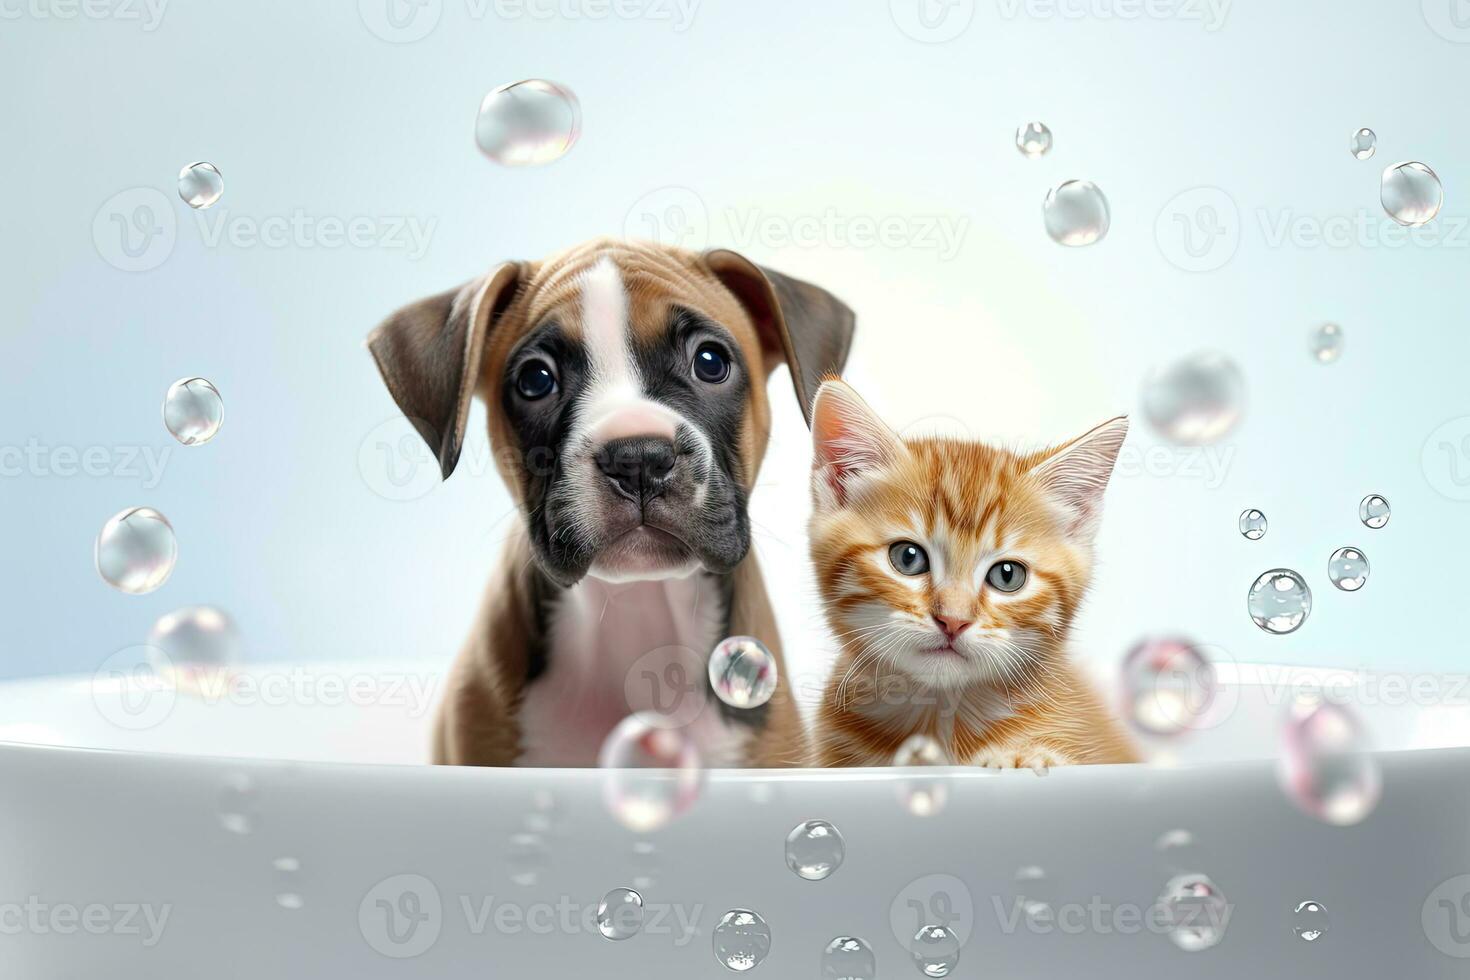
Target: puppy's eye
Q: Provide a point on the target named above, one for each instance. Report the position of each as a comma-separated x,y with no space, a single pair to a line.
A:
534,380
908,558
1007,576
711,363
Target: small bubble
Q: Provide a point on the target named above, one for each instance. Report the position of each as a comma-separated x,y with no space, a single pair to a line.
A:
199,647
620,914
238,804
742,672
1325,768
200,185
920,750
922,796
1168,685
1196,400
653,772
936,950
1348,569
1373,511
1252,524
848,958
527,123
1033,139
814,849
1310,922
1076,213
1363,143
1326,343
193,411
136,550
1194,912
288,883
1279,601
741,940
1411,193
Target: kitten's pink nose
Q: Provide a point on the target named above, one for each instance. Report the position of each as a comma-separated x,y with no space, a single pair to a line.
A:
953,626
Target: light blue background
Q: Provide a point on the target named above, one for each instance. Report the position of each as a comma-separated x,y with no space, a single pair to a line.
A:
756,111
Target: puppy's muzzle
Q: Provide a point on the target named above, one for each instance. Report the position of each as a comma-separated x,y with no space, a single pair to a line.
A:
639,468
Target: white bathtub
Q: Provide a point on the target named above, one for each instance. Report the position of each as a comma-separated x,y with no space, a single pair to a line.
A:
408,871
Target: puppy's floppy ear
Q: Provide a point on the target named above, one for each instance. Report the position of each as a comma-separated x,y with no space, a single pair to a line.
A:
429,356
805,324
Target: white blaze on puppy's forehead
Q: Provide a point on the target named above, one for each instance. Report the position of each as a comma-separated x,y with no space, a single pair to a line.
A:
614,404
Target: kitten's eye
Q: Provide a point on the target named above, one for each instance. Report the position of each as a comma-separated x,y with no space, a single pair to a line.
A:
908,558
711,363
534,380
1007,576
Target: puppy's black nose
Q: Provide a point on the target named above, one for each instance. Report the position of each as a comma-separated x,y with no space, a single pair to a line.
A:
639,467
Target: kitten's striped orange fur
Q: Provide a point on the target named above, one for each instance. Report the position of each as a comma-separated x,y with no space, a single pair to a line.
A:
963,639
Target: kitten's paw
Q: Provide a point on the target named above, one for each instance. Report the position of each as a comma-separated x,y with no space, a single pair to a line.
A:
1021,755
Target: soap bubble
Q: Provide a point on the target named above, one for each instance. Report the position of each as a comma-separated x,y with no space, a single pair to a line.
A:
742,672
527,123
1325,768
653,773
1076,213
1033,139
200,185
935,950
1196,400
1363,143
1252,524
200,645
1411,193
1373,511
620,914
922,795
741,940
136,550
814,849
1310,922
1348,569
1168,685
239,804
193,411
1326,343
920,750
1279,601
1194,912
848,958
288,883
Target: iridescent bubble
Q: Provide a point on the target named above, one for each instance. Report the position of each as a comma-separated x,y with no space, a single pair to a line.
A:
527,123
1326,769
1076,213
1326,343
922,796
288,883
1196,400
848,958
1033,139
199,647
239,804
200,185
136,550
936,950
653,773
193,411
814,849
1194,912
1411,193
1310,922
741,940
1252,524
1363,143
1279,601
1373,511
1168,685
620,914
742,672
1348,569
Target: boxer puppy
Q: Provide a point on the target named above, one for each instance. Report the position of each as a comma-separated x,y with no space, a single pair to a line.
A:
626,394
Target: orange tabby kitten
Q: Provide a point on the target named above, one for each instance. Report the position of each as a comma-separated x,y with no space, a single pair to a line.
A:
951,572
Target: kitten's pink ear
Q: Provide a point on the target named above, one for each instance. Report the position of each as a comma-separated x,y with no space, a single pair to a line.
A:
1076,474
849,441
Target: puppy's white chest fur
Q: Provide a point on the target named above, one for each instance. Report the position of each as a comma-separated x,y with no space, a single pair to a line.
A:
614,649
